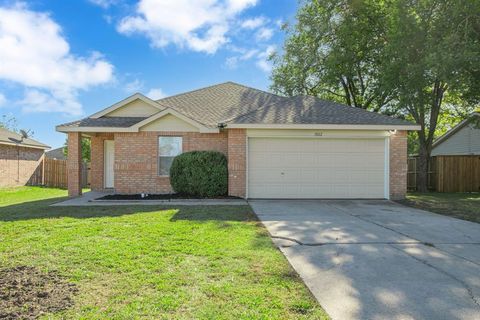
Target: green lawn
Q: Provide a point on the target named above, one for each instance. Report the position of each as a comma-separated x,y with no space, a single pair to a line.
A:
153,262
458,205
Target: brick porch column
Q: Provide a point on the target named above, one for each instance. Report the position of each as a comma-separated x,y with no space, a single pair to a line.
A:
237,151
398,165
74,164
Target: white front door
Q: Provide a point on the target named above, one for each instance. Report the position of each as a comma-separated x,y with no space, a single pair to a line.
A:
109,158
316,168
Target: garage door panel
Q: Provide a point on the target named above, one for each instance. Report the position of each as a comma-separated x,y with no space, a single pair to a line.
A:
316,168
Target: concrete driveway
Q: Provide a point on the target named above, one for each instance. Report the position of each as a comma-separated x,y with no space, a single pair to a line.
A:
377,259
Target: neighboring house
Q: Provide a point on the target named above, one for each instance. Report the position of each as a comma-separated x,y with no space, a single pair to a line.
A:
19,158
56,154
277,147
463,139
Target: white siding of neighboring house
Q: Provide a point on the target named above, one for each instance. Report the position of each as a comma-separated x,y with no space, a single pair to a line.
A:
465,141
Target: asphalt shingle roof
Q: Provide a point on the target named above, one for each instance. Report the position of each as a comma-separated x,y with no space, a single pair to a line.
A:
220,102
234,103
311,110
115,122
9,137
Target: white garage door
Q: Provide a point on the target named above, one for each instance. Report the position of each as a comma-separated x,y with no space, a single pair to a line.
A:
316,168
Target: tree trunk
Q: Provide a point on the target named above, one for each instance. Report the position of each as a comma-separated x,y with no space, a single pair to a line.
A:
423,164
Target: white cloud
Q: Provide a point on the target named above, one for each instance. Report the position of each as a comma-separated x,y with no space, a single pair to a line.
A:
104,3
253,23
264,34
35,54
3,100
262,59
133,86
232,62
156,93
200,25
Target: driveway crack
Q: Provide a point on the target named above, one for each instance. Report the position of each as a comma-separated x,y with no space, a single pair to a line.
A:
465,285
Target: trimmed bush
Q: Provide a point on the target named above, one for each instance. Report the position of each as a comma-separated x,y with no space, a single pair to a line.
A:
200,173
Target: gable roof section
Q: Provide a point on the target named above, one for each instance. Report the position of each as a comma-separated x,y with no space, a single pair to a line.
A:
8,137
239,106
118,105
455,129
201,127
126,124
215,104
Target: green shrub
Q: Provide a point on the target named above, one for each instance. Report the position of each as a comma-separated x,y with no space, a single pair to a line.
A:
200,173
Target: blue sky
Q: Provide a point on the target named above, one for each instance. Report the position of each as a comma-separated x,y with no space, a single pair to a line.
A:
64,60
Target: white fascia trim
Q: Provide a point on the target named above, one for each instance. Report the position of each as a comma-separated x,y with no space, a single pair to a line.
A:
201,127
324,126
126,101
24,145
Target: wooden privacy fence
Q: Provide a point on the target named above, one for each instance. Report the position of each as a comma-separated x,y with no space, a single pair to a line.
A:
53,173
448,173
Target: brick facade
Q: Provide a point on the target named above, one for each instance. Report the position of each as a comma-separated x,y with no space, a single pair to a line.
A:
18,164
96,162
74,164
398,165
136,158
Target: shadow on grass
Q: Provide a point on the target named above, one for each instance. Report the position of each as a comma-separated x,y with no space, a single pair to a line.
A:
41,209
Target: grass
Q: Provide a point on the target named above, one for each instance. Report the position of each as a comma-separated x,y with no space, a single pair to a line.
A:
464,206
153,262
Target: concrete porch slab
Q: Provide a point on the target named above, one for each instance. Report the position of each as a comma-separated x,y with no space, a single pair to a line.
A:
88,199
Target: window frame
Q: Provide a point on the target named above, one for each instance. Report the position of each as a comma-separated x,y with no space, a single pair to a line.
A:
159,155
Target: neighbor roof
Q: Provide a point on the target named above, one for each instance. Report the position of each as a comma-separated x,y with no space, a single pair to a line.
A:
236,105
8,137
56,154
455,129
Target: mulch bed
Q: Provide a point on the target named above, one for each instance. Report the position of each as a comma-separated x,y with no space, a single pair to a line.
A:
170,196
28,293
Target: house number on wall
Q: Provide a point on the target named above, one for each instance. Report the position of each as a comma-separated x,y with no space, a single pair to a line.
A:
318,134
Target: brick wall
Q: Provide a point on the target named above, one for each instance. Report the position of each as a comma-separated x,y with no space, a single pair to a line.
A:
136,158
398,165
96,163
237,153
18,164
74,164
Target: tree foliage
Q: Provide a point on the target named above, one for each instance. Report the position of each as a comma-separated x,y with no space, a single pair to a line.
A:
86,149
9,123
418,59
335,51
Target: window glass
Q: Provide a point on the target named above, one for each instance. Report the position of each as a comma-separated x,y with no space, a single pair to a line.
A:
168,148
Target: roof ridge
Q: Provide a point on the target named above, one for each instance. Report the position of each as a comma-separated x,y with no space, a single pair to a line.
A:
251,88
216,85
191,91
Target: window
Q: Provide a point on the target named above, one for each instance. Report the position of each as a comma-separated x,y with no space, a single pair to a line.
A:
168,148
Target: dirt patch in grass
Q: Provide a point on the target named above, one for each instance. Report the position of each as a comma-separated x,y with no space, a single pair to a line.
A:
27,293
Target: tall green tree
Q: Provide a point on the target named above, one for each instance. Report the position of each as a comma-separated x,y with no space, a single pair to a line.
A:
434,64
413,58
335,51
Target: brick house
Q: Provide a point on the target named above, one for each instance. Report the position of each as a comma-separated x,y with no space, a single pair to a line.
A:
19,158
277,147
